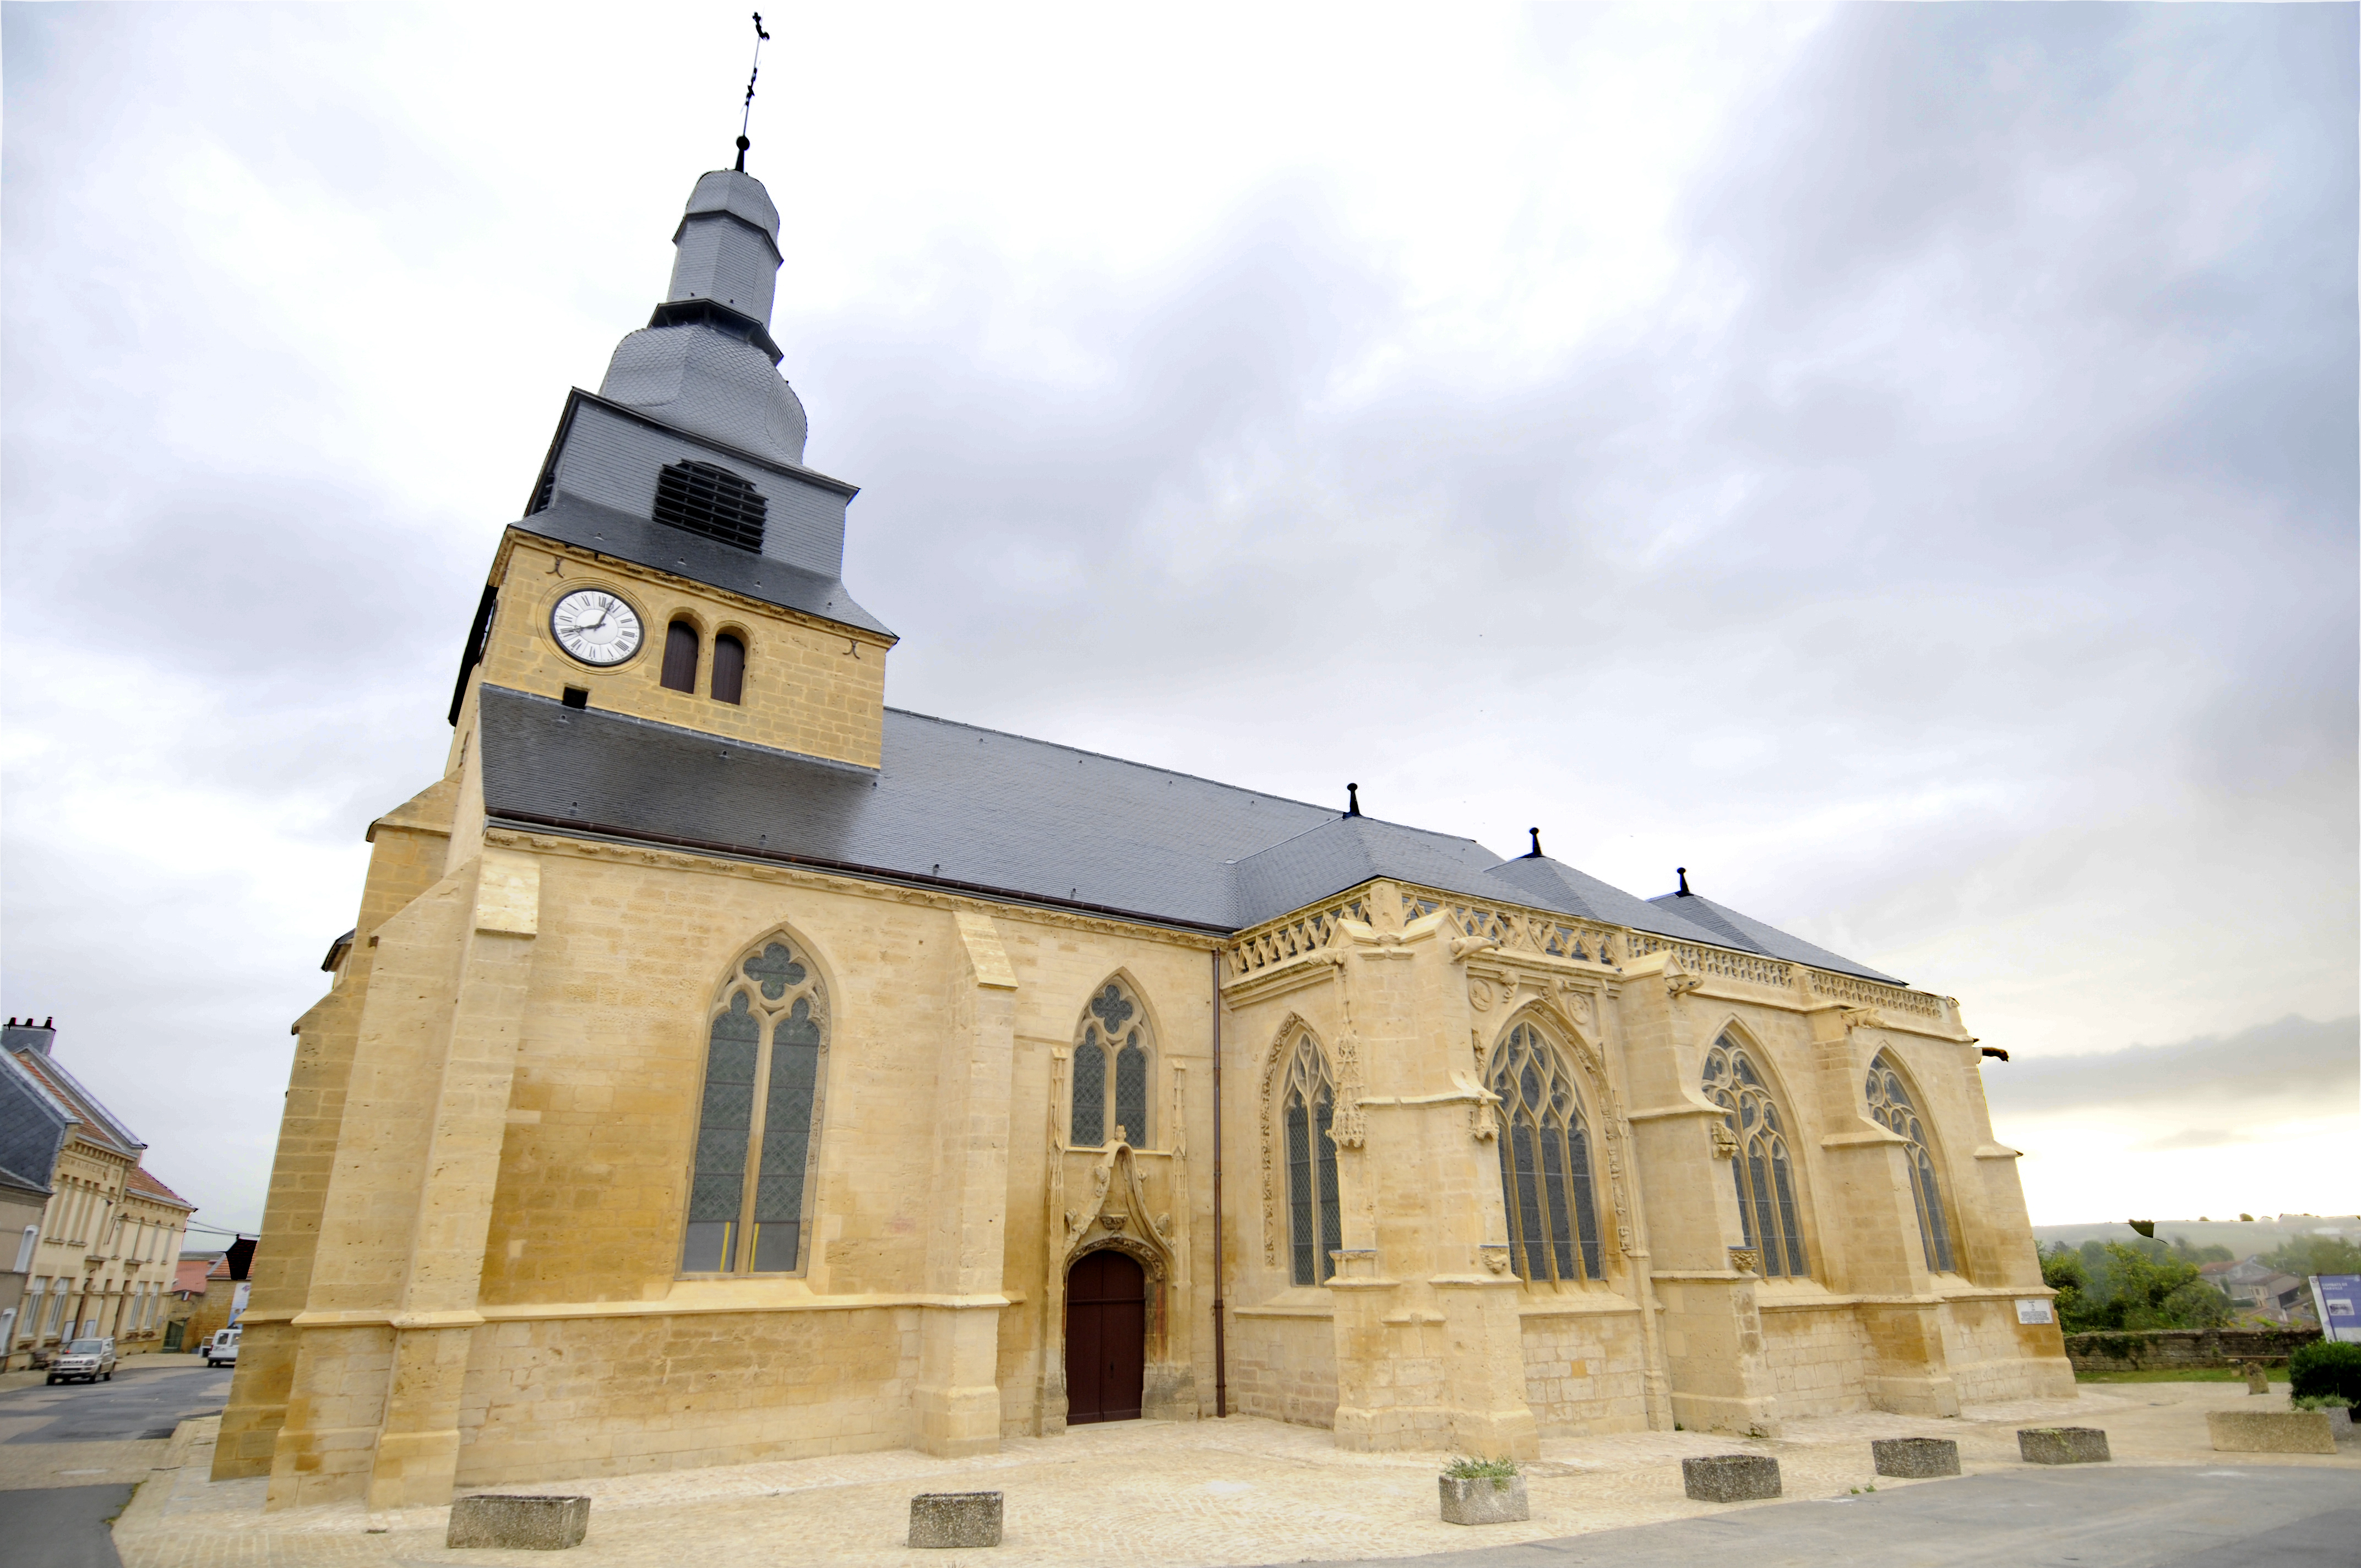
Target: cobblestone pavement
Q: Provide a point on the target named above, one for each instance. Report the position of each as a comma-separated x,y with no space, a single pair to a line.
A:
1207,1493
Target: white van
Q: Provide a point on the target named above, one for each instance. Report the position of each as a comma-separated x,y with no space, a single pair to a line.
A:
221,1349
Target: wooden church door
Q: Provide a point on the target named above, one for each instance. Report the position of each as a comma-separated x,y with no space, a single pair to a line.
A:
1106,1339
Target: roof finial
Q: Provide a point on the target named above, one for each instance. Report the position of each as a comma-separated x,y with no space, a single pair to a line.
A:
1352,800
1682,873
1536,852
746,118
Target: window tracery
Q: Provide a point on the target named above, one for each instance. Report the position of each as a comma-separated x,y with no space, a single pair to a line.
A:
1308,1114
1763,1169
1110,1079
1890,1107
1545,1178
758,1120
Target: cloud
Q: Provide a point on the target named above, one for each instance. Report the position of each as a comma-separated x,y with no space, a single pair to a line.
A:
1898,462
2313,1065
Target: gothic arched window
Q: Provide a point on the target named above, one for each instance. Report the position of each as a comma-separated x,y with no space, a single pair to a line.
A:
1764,1172
1111,1071
1544,1162
758,1123
1890,1107
1307,1100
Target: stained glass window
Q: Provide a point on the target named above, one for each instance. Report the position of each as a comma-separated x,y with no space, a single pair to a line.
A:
1545,1163
1111,1078
758,1118
1763,1170
1314,1218
1890,1107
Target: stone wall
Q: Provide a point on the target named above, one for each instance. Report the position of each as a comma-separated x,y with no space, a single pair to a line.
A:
1820,1357
2139,1350
1586,1371
1284,1369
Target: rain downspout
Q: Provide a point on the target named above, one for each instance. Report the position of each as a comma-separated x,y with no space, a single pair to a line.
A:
1221,1348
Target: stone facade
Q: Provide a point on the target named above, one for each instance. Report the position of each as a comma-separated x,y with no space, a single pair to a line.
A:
475,1264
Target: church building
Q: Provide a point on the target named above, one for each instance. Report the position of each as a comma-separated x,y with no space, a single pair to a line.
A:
726,1066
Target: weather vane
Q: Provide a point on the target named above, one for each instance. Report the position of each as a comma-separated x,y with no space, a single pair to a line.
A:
761,37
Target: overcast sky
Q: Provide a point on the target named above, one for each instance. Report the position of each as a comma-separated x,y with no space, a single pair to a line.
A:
1897,462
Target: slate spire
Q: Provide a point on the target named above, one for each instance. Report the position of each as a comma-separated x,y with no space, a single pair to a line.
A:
705,363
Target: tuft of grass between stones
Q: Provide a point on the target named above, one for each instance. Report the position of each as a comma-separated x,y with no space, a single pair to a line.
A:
1466,1467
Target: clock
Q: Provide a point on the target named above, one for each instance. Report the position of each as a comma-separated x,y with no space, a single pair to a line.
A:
596,627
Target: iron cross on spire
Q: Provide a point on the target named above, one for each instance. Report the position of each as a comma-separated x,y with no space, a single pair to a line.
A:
761,37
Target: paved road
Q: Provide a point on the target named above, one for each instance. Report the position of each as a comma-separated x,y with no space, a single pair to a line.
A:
2083,1518
65,1527
137,1404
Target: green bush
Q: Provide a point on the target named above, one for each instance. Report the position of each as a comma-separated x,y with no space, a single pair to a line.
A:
2325,1369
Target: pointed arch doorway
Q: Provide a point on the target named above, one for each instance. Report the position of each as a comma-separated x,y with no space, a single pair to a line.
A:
1107,1338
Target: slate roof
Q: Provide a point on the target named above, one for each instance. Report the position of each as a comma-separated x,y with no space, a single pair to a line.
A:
12,1182
982,810
98,1124
1735,930
34,1123
570,520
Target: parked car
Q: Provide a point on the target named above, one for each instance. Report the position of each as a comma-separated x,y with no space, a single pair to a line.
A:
221,1349
92,1360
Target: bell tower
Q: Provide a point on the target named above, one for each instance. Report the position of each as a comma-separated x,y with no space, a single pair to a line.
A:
676,561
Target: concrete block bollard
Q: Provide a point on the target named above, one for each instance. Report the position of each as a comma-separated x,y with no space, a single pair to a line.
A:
1730,1477
2271,1432
2257,1380
1913,1456
955,1519
2062,1445
518,1523
1484,1499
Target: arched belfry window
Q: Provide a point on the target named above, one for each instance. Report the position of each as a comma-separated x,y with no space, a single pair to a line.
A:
757,1122
1307,1100
1544,1162
728,667
712,501
682,647
1890,1107
1763,1169
1111,1071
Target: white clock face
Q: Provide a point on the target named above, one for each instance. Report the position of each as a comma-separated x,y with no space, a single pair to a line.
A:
596,627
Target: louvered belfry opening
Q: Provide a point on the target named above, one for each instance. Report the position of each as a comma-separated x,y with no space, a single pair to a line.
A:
712,501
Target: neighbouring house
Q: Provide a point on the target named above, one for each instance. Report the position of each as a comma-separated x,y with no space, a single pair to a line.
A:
109,1233
2285,1298
222,1302
189,1282
21,1203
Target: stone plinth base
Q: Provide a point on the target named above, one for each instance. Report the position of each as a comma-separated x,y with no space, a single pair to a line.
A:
1731,1477
1914,1456
519,1524
2062,1445
1484,1499
2271,1432
955,1519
